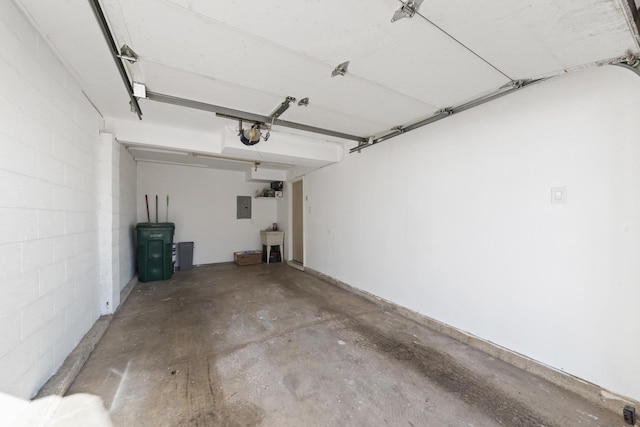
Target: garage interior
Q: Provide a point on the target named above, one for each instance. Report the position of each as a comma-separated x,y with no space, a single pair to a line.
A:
459,184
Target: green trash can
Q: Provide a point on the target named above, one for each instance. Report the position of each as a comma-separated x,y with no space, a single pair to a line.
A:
155,241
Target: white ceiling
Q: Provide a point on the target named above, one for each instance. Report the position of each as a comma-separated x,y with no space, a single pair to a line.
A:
249,55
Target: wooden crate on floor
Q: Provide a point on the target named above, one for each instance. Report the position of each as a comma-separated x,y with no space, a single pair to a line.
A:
247,258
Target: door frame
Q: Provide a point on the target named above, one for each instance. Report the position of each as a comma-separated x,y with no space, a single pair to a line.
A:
291,210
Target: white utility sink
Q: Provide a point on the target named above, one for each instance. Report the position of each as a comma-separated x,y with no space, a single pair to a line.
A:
272,238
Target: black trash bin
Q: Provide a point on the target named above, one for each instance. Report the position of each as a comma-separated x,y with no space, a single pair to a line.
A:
154,250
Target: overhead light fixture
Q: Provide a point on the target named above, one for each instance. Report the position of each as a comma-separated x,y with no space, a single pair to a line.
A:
407,10
128,54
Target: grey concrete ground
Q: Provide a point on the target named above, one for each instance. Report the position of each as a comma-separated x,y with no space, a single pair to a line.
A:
270,345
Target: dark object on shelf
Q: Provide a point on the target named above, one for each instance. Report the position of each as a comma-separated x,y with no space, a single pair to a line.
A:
274,256
267,192
185,255
154,242
276,185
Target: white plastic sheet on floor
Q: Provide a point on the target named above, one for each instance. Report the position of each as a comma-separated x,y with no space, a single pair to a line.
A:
54,411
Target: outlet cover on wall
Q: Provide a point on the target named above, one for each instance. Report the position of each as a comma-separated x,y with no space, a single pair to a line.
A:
558,195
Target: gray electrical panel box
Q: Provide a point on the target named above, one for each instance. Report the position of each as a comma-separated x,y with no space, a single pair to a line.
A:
244,207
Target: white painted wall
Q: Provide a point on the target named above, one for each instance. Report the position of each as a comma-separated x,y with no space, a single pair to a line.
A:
48,224
454,221
128,215
203,208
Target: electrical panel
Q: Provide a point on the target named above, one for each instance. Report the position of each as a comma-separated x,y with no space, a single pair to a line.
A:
244,207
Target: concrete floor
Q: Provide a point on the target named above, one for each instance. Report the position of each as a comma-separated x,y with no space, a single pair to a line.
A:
270,345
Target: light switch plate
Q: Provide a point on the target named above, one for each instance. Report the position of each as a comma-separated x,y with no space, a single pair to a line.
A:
558,195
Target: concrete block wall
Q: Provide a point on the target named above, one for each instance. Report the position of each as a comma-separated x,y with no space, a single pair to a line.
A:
48,243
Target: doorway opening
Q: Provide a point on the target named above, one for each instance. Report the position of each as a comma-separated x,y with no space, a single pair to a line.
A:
297,224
